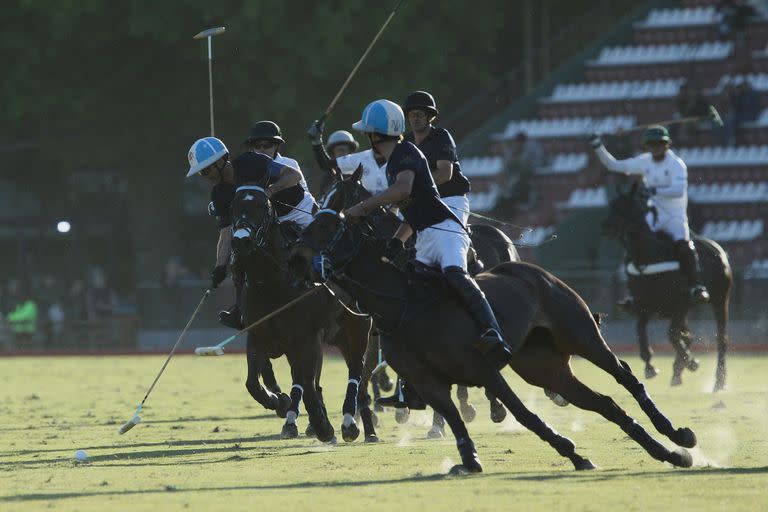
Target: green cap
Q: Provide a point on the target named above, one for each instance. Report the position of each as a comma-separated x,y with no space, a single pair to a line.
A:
656,133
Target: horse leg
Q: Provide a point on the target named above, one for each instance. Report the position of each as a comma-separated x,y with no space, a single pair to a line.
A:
679,337
720,308
290,428
564,446
437,431
371,361
498,411
646,352
437,394
306,362
310,431
255,358
621,371
468,411
268,377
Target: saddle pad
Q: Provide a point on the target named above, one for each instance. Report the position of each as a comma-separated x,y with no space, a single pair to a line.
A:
652,268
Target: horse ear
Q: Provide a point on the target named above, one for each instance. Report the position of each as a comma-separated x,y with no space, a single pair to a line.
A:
358,173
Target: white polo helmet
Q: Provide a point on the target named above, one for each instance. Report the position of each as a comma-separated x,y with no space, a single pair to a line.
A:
382,116
203,153
342,137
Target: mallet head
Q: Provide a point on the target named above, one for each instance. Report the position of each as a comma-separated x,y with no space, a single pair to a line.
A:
714,116
209,351
210,32
128,425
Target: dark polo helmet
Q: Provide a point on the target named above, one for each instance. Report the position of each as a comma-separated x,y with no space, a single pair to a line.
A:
655,134
421,100
265,130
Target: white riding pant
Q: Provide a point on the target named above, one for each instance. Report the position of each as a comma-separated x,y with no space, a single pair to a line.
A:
302,215
673,224
443,245
459,205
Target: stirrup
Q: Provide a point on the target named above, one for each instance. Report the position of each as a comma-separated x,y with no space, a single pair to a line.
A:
698,294
493,346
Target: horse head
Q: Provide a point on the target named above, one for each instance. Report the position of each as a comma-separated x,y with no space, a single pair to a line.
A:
345,192
626,212
253,217
326,246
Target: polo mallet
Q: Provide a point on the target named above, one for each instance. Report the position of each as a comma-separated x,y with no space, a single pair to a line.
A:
209,33
712,115
128,425
218,350
359,62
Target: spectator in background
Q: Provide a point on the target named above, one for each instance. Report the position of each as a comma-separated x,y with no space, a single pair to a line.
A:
735,14
690,103
100,301
744,107
521,158
76,309
22,315
51,311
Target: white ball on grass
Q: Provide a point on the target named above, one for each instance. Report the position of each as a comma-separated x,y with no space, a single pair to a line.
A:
81,456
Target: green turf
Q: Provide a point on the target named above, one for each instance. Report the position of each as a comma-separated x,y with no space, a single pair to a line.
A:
205,445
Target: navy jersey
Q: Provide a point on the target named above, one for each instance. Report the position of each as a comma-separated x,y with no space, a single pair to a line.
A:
439,145
221,199
258,169
423,208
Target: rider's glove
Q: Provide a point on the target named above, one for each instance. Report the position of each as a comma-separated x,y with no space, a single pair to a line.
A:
218,274
315,133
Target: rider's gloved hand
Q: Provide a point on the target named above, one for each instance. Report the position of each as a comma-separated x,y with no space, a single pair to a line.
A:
218,274
315,132
596,140
394,249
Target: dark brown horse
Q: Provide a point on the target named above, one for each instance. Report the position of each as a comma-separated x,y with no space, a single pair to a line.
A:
260,245
658,286
492,247
429,337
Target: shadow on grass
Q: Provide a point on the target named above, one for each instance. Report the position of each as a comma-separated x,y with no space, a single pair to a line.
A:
201,447
277,487
611,474
183,419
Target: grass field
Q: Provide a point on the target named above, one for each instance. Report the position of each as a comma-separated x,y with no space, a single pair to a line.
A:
205,445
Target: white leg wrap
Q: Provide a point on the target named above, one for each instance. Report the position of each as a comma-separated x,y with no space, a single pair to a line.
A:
348,420
290,417
297,386
354,381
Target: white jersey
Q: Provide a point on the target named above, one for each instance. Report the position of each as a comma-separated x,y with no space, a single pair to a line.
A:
670,179
374,178
302,215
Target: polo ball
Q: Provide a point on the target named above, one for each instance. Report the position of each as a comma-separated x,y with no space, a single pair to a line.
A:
81,456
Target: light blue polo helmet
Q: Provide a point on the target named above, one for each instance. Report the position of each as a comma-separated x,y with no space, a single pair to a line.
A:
382,116
203,153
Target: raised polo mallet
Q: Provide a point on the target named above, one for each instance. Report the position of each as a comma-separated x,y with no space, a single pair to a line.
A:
135,419
712,115
208,34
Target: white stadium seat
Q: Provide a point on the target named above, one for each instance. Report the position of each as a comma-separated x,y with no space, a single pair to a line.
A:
729,192
482,166
587,198
666,53
682,17
565,127
733,230
758,81
612,91
483,201
758,269
565,163
724,156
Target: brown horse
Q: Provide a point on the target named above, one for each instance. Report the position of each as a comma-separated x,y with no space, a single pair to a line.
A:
429,337
260,246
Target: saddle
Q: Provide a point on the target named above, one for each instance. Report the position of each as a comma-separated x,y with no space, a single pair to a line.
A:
663,260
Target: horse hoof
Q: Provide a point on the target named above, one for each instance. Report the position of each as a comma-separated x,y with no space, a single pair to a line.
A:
309,431
693,364
350,433
676,380
373,438
685,437
328,436
462,470
681,458
559,400
650,371
401,415
468,412
498,413
584,465
385,382
283,404
290,431
436,433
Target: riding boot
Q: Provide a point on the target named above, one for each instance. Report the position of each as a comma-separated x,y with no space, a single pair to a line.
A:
490,343
405,397
233,317
689,264
474,263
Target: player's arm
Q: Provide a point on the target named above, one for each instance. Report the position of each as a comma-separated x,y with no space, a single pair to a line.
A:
223,246
446,155
628,166
443,172
286,177
404,232
395,193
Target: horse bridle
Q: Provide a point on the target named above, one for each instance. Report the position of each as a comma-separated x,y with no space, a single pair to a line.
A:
258,232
